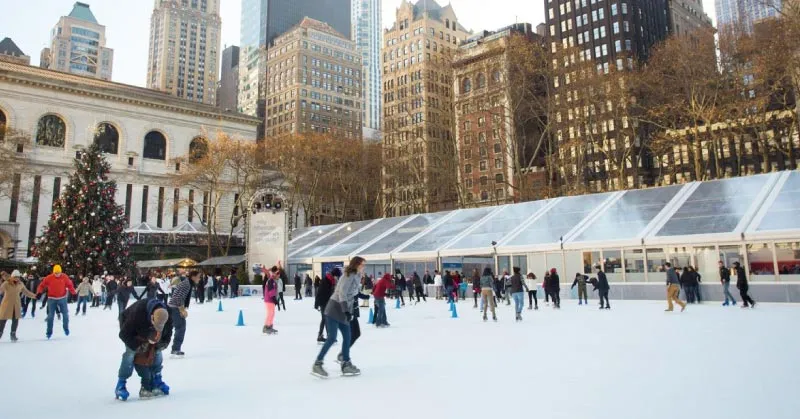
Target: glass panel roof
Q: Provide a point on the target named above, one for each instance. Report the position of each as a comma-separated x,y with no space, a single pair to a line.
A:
364,236
333,238
404,233
300,231
319,231
558,220
715,207
499,226
629,216
445,232
784,213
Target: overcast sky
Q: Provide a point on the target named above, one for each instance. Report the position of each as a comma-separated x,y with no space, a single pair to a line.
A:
128,24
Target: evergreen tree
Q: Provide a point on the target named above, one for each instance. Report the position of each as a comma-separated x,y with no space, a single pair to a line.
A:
86,231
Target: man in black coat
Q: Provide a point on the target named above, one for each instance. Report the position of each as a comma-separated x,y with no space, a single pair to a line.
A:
741,283
111,292
326,287
146,330
554,288
602,287
298,287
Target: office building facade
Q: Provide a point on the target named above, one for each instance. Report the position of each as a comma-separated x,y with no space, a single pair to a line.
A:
228,89
78,45
744,13
367,36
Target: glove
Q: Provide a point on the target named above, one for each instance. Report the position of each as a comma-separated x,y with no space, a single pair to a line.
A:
39,295
183,312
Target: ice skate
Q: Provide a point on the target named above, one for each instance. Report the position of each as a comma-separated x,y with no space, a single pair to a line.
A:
753,305
271,330
160,385
350,370
494,317
683,309
145,394
120,392
339,359
485,318
66,332
320,339
14,336
725,304
177,354
318,371
264,330
580,303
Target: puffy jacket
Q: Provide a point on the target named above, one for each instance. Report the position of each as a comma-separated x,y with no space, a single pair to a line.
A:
97,286
531,283
383,284
136,325
56,286
553,283
400,281
517,283
580,281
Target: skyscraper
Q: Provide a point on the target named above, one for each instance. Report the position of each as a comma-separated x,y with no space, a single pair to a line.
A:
687,16
419,173
78,45
367,35
228,88
184,44
262,21
745,12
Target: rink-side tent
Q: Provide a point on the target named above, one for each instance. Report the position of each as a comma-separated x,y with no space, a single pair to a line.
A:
754,220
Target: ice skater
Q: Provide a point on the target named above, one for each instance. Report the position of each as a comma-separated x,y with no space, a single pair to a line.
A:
11,303
673,290
516,289
487,293
580,281
309,286
418,290
178,305
269,289
476,286
602,287
84,291
111,292
743,286
146,329
379,293
400,285
725,280
324,293
56,286
338,314
32,285
553,285
530,281
281,280
298,287
124,293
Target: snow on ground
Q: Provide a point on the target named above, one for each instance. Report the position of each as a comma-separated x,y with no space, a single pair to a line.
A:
632,362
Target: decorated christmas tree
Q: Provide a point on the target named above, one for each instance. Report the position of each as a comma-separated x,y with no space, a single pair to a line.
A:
86,231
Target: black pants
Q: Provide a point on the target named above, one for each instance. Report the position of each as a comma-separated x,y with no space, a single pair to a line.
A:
201,295
28,302
420,293
96,301
109,301
298,295
355,331
555,295
281,302
14,324
532,298
400,293
322,325
121,305
604,296
308,291
475,296
746,298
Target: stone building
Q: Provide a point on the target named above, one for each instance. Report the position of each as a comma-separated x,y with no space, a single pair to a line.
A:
141,131
228,89
419,173
687,16
313,82
78,45
9,51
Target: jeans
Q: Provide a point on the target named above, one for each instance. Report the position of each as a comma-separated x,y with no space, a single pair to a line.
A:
555,295
179,324
29,302
122,305
746,298
532,298
604,296
146,373
81,300
420,293
726,290
334,326
519,301
61,304
449,291
380,312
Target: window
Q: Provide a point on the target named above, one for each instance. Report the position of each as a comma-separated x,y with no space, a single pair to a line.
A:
483,151
482,165
498,178
616,27
618,47
484,180
468,168
481,81
484,196
497,148
481,121
51,131
155,146
198,149
466,85
107,137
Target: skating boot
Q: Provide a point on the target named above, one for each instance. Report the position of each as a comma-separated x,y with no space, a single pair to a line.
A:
14,336
608,307
530,307
580,302
320,339
349,370
177,354
66,331
339,359
272,331
146,394
485,318
160,385
318,371
494,317
536,308
264,330
725,304
121,393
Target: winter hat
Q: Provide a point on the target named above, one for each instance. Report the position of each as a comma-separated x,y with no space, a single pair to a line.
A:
552,271
16,274
57,269
160,317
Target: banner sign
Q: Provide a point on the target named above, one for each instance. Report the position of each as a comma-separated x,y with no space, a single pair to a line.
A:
266,239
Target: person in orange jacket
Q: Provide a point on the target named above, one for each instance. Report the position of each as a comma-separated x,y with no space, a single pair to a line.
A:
56,285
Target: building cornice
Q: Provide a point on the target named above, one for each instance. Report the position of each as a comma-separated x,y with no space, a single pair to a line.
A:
115,92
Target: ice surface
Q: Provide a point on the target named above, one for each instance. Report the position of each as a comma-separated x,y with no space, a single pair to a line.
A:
634,361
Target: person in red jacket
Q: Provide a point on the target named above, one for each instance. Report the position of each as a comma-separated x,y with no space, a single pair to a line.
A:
56,285
379,293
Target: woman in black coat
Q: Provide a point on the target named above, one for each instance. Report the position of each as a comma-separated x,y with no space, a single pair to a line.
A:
324,293
554,288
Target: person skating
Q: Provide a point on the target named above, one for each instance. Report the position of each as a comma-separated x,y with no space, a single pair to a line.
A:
743,286
84,291
530,281
97,289
602,287
200,290
269,289
672,288
580,281
498,284
437,284
146,330
554,288
379,293
153,289
689,284
725,280
517,287
11,303
400,285
545,282
281,280
418,289
338,314
309,286
506,287
410,286
111,292
32,285
476,286
487,293
448,284
124,293
178,305
324,293
56,286
298,287
355,328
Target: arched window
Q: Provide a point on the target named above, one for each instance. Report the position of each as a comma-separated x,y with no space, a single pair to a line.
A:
198,149
496,77
481,81
107,136
51,131
3,123
466,85
155,146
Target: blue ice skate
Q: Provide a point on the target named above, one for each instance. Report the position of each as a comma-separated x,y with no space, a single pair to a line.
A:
160,384
121,393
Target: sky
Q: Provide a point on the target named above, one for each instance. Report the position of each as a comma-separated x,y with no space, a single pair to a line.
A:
128,24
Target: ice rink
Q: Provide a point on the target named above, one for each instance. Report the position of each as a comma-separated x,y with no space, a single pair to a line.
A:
634,361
